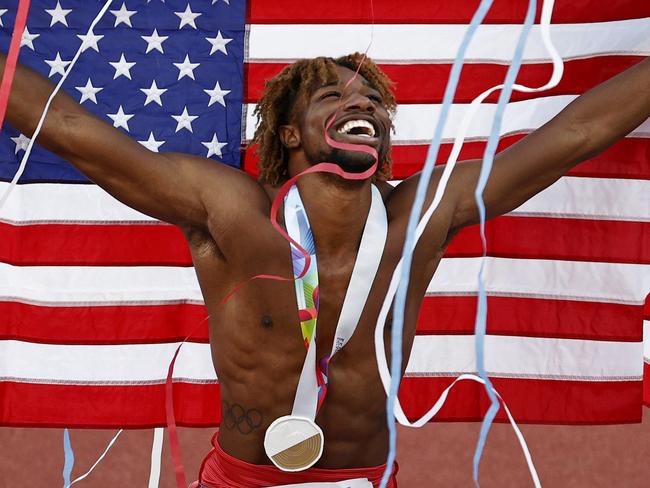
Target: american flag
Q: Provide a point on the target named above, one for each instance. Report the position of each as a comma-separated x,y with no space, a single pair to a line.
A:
96,296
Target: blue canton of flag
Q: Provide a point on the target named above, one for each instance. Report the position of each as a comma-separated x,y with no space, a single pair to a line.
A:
168,73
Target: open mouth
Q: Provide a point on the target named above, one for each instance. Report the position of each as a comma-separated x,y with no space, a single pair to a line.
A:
357,127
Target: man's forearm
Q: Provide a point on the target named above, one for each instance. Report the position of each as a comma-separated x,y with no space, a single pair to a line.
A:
29,94
611,110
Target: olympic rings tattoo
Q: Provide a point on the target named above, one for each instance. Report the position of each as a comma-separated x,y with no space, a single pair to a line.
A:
237,417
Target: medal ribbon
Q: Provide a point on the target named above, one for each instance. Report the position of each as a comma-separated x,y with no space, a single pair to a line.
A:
312,388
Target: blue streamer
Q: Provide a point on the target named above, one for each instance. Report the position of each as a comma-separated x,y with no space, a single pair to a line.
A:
486,168
400,303
409,244
69,459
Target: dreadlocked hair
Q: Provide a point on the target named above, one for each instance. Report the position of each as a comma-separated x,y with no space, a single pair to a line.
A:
296,83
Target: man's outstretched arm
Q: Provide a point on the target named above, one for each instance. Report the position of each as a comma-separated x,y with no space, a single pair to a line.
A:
172,187
586,127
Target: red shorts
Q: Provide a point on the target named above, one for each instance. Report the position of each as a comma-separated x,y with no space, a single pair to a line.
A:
221,470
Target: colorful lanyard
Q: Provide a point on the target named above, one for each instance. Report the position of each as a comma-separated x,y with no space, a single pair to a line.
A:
294,442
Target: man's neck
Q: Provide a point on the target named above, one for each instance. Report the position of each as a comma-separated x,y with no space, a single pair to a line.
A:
337,211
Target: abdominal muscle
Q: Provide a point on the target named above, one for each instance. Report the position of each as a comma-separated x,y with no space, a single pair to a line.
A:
258,385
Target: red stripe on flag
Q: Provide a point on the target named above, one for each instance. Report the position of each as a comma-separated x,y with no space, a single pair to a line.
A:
103,325
162,245
628,158
142,406
530,400
547,238
532,317
425,11
426,82
646,366
439,315
132,406
93,245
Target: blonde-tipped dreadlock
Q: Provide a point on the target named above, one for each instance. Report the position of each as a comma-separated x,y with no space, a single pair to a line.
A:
296,83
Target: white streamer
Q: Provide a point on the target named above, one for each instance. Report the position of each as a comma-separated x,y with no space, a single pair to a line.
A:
558,69
39,126
156,457
110,444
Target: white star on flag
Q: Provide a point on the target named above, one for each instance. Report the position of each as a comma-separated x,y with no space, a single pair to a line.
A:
123,16
186,68
219,43
152,144
214,146
2,12
89,40
120,119
88,92
22,141
28,39
122,67
184,120
187,17
217,94
58,14
153,93
57,65
154,41
227,2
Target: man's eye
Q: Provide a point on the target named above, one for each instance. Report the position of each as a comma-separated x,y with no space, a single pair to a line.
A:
377,99
330,94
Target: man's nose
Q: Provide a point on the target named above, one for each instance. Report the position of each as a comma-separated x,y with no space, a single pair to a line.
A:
357,101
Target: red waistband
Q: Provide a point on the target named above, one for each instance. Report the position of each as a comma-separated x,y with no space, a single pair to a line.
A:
221,470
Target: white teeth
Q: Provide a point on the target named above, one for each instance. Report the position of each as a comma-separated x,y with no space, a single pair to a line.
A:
352,124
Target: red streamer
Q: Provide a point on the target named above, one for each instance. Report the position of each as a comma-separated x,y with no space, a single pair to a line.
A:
331,168
12,57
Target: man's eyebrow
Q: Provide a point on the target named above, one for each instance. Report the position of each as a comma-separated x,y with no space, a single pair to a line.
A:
325,85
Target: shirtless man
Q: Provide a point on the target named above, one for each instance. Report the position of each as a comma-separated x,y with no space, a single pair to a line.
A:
257,348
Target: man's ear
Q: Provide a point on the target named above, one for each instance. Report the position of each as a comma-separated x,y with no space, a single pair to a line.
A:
290,136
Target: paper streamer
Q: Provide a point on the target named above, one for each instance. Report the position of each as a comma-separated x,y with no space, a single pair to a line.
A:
486,168
85,475
409,244
331,168
556,76
68,461
39,126
156,457
12,56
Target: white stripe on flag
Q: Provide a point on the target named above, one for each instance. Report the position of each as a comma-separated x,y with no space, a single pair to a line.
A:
439,42
100,364
539,278
522,357
528,357
591,198
60,202
104,285
415,123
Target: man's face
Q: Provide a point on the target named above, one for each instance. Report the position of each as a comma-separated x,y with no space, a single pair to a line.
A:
361,119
